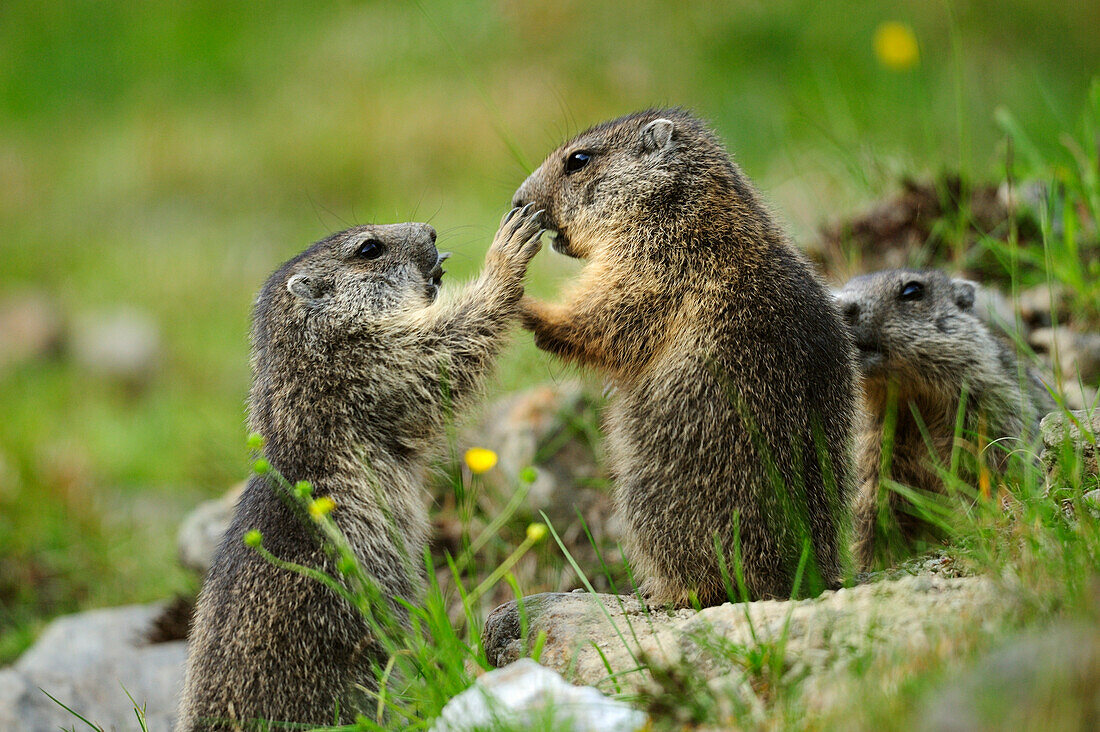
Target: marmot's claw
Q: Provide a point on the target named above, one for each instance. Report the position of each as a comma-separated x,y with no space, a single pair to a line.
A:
518,239
525,225
523,220
532,245
517,218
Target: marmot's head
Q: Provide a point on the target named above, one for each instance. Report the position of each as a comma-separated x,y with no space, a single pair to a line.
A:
351,277
652,178
913,325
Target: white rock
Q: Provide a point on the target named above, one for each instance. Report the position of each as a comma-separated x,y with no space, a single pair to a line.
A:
524,693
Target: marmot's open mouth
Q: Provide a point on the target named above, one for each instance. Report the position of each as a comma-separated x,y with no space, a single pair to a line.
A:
559,242
435,276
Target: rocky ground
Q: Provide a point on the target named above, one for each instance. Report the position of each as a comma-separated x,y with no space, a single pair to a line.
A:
743,653
90,662
813,641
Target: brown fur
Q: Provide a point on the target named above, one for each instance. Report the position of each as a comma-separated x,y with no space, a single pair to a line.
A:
920,355
356,370
735,397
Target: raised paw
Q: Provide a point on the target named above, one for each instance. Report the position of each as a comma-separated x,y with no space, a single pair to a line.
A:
517,240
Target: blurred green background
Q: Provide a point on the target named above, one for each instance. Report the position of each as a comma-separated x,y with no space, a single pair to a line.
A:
165,157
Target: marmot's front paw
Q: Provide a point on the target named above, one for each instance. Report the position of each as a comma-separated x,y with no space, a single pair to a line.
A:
517,240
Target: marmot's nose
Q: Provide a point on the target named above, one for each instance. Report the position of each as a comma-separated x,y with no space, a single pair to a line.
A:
523,196
414,232
851,312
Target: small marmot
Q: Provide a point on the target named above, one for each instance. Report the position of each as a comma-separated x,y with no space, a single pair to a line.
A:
921,346
735,407
356,370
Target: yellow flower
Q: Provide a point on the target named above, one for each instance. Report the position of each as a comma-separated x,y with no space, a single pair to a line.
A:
321,507
536,533
480,460
896,46
253,538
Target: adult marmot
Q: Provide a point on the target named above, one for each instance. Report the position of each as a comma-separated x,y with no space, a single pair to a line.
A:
735,406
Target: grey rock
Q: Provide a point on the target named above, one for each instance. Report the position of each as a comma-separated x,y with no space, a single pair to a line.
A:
524,695
86,661
585,634
1071,436
1079,429
1079,426
1046,679
31,327
123,344
202,530
1076,355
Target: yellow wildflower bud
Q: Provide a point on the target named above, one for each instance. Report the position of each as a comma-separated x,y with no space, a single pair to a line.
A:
253,538
480,460
261,466
896,46
303,488
255,441
536,532
321,507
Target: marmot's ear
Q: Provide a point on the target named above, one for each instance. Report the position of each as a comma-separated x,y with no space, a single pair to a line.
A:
306,286
965,292
656,135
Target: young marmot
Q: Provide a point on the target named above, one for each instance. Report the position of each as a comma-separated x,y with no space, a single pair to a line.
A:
735,406
356,368
922,347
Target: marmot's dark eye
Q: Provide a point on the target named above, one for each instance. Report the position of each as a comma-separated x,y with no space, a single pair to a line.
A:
371,249
576,161
912,291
